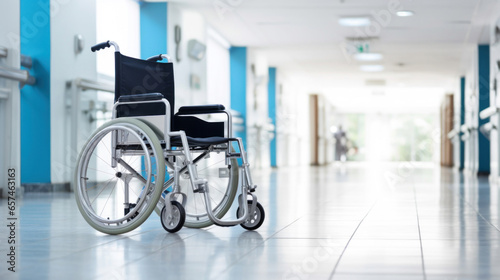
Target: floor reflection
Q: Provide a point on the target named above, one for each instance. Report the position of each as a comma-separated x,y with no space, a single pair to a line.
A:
349,221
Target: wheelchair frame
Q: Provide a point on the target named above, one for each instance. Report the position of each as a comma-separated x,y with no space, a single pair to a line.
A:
179,159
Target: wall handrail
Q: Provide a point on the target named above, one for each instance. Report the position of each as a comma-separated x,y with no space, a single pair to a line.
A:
4,93
85,84
26,61
486,129
3,52
465,128
488,112
454,132
22,76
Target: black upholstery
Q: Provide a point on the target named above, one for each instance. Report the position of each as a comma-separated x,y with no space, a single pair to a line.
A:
198,142
177,142
201,109
140,97
137,77
196,127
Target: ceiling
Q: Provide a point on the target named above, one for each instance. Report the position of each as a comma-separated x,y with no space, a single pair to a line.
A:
304,40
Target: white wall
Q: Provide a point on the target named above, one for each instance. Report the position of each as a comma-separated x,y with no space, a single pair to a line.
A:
218,72
456,141
292,122
193,26
10,107
471,114
66,22
326,141
494,97
494,100
257,117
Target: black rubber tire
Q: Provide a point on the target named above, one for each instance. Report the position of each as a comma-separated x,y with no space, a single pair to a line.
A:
179,210
257,217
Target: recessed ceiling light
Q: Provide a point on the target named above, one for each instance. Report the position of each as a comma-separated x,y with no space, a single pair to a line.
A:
354,21
371,68
405,13
368,56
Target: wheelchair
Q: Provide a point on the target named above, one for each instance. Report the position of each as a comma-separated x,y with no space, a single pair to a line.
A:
182,166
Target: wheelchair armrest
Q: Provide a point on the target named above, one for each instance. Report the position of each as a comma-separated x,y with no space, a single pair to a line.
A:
140,97
208,109
201,109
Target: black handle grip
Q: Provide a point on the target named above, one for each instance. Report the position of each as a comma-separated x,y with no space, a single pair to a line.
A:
155,58
100,46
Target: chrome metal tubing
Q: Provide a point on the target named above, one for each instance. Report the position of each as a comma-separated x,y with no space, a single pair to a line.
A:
4,52
85,84
22,76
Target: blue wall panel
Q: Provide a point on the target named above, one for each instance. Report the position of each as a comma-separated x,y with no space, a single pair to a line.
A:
271,93
153,21
35,100
484,102
238,74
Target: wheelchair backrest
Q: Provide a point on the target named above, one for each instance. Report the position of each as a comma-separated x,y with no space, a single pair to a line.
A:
136,76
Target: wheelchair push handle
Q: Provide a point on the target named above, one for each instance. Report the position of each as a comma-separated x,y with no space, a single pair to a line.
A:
159,57
104,45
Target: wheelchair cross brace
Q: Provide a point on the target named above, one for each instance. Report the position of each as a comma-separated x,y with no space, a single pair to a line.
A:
247,188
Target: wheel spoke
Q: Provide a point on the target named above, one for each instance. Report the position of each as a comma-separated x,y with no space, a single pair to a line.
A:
112,190
100,171
107,183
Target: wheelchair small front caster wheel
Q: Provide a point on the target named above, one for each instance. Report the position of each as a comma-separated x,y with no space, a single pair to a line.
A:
255,219
175,221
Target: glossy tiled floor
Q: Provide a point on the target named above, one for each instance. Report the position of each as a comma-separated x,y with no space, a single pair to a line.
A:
360,221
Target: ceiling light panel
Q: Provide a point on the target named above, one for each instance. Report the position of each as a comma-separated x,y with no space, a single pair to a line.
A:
371,68
405,13
354,21
368,56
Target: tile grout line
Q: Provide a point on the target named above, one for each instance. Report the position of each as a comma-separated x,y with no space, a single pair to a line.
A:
461,197
349,241
253,249
419,232
478,213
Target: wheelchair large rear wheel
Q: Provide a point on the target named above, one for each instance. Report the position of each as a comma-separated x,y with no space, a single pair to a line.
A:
115,186
222,183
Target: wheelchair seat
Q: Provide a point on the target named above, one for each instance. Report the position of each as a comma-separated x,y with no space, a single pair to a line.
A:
199,142
192,142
